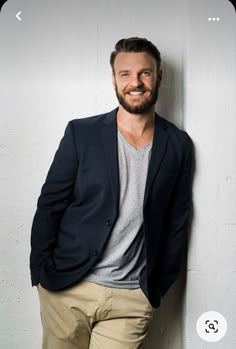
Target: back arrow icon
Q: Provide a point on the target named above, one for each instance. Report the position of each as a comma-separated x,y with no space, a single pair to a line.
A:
18,16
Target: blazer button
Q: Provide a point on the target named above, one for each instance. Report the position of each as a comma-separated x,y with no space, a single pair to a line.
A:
109,223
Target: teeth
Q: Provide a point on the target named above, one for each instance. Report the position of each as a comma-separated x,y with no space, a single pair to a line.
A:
135,93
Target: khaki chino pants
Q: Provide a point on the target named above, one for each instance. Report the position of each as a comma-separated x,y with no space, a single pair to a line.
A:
92,316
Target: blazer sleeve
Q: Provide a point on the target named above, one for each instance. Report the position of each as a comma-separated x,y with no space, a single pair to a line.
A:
56,195
178,222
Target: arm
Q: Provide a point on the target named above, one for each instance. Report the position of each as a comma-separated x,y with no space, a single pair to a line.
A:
56,195
178,221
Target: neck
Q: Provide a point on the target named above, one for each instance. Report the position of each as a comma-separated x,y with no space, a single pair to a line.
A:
136,124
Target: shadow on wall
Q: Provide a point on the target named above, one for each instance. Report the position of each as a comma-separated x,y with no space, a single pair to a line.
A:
170,103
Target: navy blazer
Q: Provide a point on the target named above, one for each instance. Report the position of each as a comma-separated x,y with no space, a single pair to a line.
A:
79,205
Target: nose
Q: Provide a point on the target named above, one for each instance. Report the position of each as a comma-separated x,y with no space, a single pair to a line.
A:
136,81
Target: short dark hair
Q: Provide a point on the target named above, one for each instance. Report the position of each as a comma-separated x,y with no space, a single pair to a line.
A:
136,44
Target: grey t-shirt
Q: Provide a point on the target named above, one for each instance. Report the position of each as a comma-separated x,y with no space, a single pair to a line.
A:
123,257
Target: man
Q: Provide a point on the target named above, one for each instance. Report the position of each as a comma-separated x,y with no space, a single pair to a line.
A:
111,223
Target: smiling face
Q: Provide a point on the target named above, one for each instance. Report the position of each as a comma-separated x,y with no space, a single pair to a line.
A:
136,80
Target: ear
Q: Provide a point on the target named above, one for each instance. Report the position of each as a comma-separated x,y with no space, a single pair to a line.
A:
159,77
113,80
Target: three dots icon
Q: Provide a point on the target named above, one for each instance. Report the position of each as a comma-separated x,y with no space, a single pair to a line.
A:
213,19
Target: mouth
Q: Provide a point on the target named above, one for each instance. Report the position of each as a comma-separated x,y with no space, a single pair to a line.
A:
136,93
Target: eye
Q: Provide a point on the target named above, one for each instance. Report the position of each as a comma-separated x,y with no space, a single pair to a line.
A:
124,74
146,73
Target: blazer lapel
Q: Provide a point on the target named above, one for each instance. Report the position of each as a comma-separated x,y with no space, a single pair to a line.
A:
110,145
159,144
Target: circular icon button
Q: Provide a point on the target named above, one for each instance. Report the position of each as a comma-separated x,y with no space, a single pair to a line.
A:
211,326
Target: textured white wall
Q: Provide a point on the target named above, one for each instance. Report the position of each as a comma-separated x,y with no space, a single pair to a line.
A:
54,68
210,118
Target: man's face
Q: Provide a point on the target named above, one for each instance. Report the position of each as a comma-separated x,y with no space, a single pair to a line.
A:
136,81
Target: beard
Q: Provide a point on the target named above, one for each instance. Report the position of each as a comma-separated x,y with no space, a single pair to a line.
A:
143,107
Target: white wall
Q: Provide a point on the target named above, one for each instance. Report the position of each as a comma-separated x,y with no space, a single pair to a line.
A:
54,68
210,118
